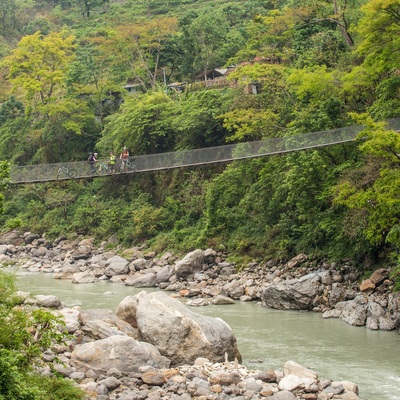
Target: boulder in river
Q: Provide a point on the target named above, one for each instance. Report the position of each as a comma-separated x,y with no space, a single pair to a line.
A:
294,294
180,334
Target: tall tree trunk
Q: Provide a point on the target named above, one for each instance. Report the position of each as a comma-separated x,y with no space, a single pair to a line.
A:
342,24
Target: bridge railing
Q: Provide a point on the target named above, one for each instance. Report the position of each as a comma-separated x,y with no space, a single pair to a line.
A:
153,162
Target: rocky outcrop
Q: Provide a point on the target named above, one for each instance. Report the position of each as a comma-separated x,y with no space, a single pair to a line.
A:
180,334
295,294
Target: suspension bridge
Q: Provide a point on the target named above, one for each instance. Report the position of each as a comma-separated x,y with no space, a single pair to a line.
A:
186,158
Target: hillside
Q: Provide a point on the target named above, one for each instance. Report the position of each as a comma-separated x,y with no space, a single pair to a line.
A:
65,69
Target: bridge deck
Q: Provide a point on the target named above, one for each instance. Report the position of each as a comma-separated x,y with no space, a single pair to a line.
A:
186,158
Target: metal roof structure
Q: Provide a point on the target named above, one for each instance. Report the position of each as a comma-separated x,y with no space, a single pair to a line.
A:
186,158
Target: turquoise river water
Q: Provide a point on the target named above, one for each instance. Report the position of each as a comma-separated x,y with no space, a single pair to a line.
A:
267,338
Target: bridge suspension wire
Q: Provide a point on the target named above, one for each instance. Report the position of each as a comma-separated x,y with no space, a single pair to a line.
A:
187,158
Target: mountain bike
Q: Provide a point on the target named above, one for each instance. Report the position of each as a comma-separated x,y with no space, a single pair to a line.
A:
66,171
128,166
103,168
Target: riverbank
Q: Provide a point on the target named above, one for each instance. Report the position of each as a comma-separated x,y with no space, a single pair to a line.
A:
206,277
108,363
38,265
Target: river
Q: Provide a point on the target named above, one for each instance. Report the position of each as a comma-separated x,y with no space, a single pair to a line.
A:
267,338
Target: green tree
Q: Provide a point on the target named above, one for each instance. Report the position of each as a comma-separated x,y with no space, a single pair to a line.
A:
263,115
140,46
38,65
199,121
14,126
143,124
67,131
372,192
379,46
207,34
87,7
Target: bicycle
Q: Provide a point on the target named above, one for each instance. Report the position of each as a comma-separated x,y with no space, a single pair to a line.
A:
68,171
128,166
103,168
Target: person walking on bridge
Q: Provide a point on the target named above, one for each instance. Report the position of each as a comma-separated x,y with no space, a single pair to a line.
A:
92,162
124,157
111,162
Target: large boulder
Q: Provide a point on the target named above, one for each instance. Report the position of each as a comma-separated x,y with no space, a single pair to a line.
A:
14,237
164,274
180,334
380,317
48,301
83,277
354,312
294,294
190,264
117,266
101,323
121,352
142,280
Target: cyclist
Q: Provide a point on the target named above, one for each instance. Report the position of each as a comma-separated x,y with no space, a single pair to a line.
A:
111,162
92,162
124,157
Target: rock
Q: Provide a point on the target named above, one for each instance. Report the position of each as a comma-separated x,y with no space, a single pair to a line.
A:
101,323
83,252
346,385
110,382
190,264
30,238
293,295
379,318
233,289
98,329
180,334
367,286
117,266
222,300
379,276
209,256
297,261
14,237
153,378
126,310
142,280
291,383
121,352
267,376
292,368
164,274
354,312
71,319
199,302
83,277
48,301
284,395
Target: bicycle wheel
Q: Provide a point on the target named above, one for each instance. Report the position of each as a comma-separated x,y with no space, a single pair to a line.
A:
72,172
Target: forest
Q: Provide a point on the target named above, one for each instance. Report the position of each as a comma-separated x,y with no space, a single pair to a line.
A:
83,76
65,66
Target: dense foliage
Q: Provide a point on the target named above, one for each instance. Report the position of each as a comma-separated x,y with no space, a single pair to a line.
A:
320,65
24,335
